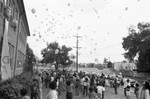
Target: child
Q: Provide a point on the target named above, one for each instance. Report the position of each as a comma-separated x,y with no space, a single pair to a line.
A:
136,90
92,94
52,93
23,93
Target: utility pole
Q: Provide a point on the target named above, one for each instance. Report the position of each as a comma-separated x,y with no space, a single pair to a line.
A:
77,47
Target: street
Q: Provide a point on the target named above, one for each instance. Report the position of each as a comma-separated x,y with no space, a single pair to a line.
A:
109,94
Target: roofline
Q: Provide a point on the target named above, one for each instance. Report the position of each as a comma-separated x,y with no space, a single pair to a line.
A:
21,4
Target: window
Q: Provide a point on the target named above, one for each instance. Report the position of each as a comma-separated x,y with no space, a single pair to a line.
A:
21,58
1,5
15,14
11,55
22,36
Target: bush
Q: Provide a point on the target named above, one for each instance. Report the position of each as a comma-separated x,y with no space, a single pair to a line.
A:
10,89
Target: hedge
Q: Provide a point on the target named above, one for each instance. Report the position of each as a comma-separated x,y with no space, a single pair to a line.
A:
10,89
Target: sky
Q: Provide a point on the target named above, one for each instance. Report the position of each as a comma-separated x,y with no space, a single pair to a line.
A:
101,24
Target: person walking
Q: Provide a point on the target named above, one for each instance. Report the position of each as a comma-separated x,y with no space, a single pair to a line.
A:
136,90
127,83
128,92
115,85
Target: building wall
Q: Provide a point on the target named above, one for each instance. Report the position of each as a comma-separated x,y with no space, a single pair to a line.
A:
17,49
124,66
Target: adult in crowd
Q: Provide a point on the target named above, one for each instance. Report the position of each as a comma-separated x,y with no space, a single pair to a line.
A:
115,85
69,90
127,83
53,94
144,92
34,89
86,85
23,93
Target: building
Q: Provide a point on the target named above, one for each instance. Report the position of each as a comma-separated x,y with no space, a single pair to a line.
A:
13,22
124,66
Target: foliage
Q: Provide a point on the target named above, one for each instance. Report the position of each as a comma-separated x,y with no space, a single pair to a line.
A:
10,89
30,59
137,44
109,64
54,53
105,61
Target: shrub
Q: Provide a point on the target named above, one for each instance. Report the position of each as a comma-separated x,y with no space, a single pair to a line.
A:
10,89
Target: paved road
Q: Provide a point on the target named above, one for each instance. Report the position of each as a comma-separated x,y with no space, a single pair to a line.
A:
109,94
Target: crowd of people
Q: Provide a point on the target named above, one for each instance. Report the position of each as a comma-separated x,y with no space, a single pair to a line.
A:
90,85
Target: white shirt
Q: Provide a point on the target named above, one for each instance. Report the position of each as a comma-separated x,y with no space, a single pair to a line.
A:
82,81
85,83
126,84
52,78
147,96
100,89
52,95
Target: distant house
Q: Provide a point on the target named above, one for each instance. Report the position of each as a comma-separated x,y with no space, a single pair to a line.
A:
124,66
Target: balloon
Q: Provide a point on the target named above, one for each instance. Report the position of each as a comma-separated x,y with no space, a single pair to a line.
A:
79,27
33,34
33,10
126,8
68,4
46,9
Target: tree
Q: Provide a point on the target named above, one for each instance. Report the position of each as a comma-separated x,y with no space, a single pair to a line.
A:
109,64
30,59
137,44
53,53
105,61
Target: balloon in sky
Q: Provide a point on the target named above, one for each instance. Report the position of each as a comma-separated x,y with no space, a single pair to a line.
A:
126,8
68,4
79,27
33,34
33,10
46,9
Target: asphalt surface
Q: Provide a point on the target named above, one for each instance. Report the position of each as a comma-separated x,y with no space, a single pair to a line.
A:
109,94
